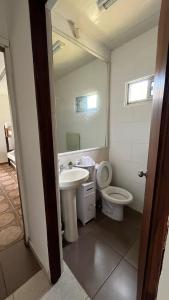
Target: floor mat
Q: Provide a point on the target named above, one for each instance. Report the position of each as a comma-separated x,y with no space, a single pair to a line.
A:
11,222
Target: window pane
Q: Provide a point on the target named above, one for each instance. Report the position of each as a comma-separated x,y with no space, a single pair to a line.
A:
137,91
92,102
81,104
86,103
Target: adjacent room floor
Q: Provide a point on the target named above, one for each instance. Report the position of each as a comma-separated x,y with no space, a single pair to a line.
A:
38,287
105,257
11,224
17,263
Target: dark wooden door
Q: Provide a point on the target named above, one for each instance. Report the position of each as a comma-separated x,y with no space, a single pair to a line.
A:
156,208
43,102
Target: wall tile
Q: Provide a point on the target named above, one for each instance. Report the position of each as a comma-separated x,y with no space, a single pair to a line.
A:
130,125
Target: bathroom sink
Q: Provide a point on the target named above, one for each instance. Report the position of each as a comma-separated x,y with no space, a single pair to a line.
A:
71,179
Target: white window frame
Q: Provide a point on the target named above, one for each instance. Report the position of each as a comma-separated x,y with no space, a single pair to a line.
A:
150,78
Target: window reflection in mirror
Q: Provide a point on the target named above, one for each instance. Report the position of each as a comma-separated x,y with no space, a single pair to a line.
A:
81,87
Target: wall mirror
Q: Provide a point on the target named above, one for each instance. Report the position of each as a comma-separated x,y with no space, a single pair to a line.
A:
81,87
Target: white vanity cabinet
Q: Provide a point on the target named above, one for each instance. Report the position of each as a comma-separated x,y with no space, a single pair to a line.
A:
86,202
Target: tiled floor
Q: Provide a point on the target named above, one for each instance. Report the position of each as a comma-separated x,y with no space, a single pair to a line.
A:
104,259
17,265
11,224
38,287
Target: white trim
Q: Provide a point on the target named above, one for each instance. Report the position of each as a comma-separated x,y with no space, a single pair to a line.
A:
81,151
50,4
54,129
12,101
80,44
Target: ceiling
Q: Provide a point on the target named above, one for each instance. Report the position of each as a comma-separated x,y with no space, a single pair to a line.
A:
68,58
124,20
3,82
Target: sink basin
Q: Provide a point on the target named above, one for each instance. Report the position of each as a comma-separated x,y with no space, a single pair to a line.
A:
71,179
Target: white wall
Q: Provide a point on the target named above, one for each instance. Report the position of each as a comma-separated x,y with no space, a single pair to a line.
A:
25,105
61,26
3,24
130,125
92,126
5,116
163,289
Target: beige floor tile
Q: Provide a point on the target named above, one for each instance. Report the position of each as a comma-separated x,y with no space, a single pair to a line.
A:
11,297
38,288
67,288
34,288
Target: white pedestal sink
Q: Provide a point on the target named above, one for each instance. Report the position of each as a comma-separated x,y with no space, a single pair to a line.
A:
69,181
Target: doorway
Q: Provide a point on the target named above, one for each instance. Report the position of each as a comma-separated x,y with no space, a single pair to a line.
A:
147,232
17,263
106,250
12,229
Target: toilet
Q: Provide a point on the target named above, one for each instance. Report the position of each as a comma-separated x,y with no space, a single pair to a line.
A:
113,198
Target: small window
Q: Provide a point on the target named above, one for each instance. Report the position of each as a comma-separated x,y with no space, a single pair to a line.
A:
140,90
86,103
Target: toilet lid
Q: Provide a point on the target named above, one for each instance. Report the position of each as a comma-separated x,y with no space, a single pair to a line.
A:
104,174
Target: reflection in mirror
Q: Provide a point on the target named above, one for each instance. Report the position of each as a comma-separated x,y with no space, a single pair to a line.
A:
81,86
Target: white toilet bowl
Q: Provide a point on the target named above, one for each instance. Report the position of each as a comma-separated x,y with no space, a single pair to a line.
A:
113,198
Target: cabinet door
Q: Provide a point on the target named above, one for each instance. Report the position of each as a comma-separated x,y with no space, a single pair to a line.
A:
91,206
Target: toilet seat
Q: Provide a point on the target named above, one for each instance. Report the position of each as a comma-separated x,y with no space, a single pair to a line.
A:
116,195
113,194
104,174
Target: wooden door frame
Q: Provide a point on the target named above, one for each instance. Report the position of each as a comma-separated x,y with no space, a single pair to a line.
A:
156,208
37,10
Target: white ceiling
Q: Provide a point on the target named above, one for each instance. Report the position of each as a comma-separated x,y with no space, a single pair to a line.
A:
124,20
68,58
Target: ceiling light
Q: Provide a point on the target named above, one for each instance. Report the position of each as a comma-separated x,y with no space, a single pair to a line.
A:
57,46
105,3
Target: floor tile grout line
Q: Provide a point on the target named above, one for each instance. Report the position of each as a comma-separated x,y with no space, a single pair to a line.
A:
3,276
110,246
13,244
118,252
130,264
4,190
122,258
132,245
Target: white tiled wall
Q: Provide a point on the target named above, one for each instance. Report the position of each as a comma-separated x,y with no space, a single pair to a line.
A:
97,155
130,125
